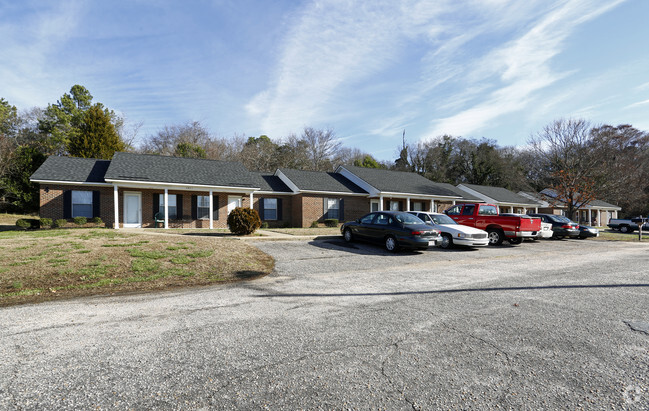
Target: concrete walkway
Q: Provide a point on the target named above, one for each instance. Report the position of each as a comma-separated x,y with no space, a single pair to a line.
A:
260,235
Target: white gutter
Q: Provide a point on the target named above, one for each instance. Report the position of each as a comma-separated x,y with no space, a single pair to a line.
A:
76,183
178,186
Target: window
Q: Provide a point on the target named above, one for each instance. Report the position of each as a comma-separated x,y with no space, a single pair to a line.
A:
368,219
374,206
455,210
417,206
382,219
172,206
487,210
394,206
270,209
202,207
468,210
332,208
81,204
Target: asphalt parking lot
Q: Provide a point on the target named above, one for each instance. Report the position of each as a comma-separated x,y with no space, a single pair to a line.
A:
546,325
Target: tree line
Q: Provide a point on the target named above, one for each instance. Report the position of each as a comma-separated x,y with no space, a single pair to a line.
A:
576,159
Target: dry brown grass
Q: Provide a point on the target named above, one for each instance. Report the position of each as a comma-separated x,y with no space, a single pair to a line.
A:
52,264
617,236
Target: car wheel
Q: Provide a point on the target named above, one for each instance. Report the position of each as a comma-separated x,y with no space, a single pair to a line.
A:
390,244
348,236
447,241
515,240
496,237
625,229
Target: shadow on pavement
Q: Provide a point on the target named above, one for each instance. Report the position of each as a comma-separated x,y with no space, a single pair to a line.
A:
458,290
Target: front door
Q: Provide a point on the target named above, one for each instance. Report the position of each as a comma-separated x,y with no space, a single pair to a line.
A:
233,202
132,210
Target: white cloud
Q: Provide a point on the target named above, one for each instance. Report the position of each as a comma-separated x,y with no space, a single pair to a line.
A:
639,103
521,67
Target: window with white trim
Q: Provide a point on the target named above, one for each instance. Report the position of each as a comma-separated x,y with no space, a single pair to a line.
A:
81,204
173,213
417,206
270,209
202,207
394,206
333,207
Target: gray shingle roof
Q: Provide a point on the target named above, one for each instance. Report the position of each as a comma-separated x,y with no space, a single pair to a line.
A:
501,194
321,181
270,182
465,196
178,170
548,192
400,182
72,169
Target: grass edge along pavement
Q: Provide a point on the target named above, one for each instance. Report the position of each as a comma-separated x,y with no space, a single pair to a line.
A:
44,265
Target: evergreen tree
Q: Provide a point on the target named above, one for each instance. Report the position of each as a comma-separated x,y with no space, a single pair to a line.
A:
96,136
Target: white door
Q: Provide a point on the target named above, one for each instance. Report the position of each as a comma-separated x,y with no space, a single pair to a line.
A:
233,202
132,210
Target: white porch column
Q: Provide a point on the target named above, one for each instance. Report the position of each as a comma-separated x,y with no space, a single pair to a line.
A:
432,206
407,203
380,203
590,217
166,208
116,207
251,207
453,202
524,210
536,210
211,210
599,217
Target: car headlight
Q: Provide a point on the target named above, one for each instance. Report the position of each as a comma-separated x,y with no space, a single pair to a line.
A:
461,235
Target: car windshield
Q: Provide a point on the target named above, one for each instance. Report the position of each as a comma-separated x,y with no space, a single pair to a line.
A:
405,218
442,219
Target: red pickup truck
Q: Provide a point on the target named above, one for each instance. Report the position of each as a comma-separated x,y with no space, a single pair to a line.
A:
485,217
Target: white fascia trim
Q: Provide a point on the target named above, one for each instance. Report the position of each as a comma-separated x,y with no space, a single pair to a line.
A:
477,194
358,181
178,186
418,196
334,193
525,205
75,183
287,181
275,193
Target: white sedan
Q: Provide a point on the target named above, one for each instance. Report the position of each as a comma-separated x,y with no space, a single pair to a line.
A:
452,232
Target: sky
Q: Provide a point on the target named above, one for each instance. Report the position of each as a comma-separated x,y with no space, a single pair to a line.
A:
369,70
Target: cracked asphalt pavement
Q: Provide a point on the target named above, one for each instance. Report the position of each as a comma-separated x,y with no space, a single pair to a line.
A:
546,325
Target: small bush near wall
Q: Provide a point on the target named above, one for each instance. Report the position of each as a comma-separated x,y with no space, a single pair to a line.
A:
97,221
60,223
243,221
264,225
23,223
80,220
314,224
46,222
331,222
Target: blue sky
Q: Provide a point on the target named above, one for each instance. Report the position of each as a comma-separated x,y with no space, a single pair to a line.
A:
368,69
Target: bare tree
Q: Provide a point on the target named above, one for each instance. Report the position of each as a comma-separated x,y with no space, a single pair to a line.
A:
167,139
565,151
322,146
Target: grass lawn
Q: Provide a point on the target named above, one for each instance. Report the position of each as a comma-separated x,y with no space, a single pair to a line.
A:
617,236
307,231
45,265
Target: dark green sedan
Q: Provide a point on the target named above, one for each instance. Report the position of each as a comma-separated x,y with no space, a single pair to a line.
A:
393,229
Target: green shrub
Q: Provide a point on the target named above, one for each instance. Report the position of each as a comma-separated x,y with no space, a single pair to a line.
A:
60,223
264,225
314,224
243,221
23,223
80,220
46,222
97,220
331,222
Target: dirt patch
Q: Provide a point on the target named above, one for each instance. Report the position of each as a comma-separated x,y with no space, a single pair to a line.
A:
320,231
53,264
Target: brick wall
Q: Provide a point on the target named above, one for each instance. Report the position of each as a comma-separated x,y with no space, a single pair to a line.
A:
287,210
312,206
51,201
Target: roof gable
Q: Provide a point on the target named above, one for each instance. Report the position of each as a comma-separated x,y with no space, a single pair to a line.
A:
321,181
399,182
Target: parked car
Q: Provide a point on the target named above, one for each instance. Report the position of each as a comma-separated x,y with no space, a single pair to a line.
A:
394,229
586,231
625,225
453,233
485,217
546,228
561,226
